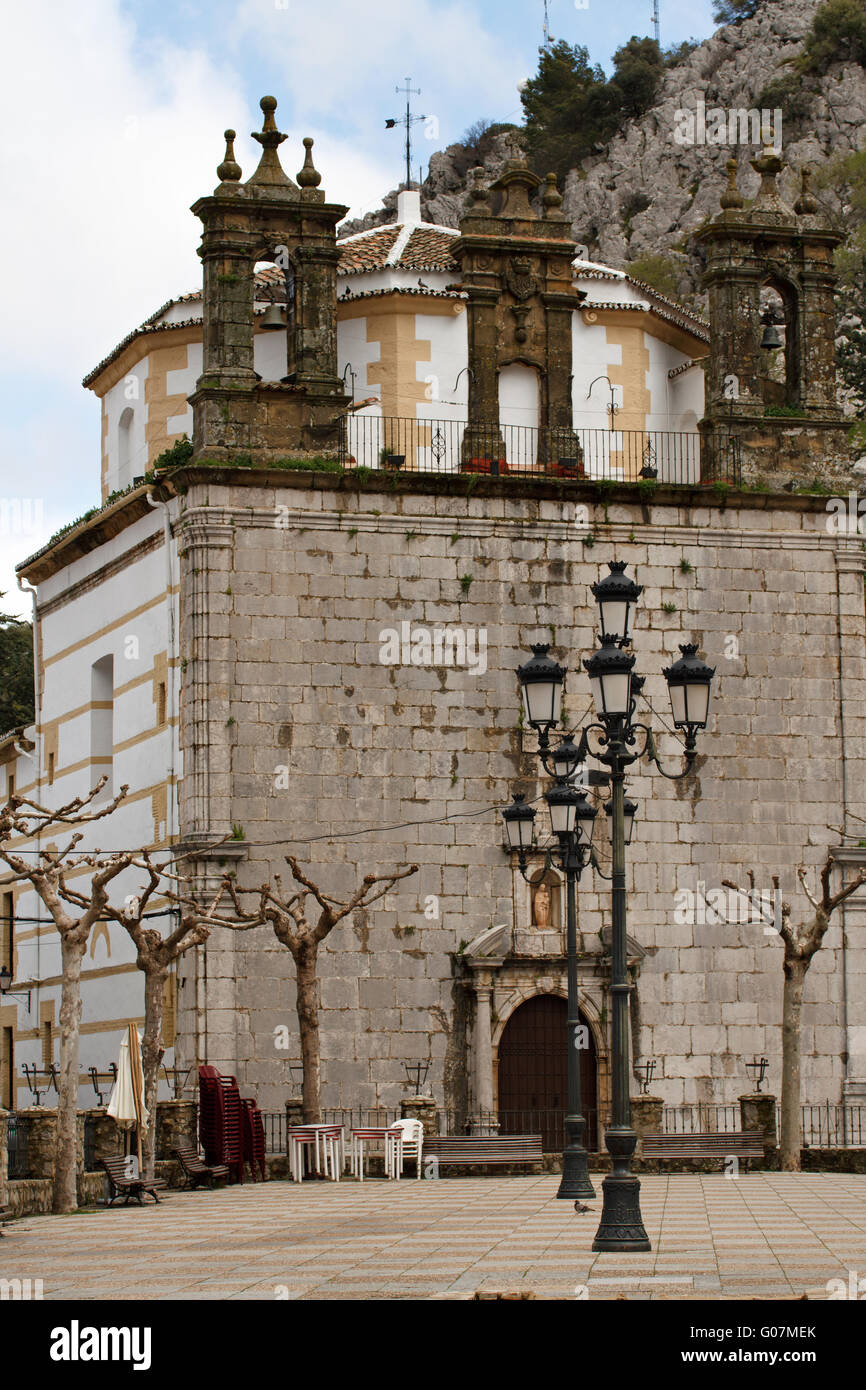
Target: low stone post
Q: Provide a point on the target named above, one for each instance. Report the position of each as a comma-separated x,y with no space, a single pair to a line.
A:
758,1112
41,1139
4,1159
175,1126
423,1108
294,1113
646,1117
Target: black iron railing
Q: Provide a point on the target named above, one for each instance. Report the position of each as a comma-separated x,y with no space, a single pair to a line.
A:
550,1124
823,1126
832,1126
701,1118
362,1117
274,1122
454,446
16,1144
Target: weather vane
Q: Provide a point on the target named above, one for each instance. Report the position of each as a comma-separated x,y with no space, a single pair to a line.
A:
408,120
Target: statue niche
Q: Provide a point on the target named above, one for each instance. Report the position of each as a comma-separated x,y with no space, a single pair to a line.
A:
545,903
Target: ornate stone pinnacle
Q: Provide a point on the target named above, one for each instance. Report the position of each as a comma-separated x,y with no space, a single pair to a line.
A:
769,165
270,171
732,197
309,176
229,171
269,136
514,146
479,194
807,202
551,198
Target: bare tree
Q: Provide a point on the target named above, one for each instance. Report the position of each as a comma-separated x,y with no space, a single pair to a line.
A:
801,943
48,876
295,929
155,955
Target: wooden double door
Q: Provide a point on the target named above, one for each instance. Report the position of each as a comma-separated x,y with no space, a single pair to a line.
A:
533,1073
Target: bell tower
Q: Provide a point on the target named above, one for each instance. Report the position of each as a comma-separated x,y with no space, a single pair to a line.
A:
771,379
516,272
268,218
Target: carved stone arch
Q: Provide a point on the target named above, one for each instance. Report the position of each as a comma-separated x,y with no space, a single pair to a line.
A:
517,995
522,360
788,290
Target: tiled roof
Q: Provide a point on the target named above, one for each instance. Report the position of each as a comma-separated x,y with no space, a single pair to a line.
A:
398,247
428,249
367,250
681,318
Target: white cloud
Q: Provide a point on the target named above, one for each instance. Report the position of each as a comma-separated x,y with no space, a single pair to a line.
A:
107,144
344,59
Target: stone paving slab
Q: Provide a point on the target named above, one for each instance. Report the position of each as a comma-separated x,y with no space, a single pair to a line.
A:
766,1235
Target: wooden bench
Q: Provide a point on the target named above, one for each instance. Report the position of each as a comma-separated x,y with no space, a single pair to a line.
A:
120,1184
195,1170
746,1146
498,1148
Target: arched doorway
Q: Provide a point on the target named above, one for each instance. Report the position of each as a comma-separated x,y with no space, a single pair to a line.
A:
533,1073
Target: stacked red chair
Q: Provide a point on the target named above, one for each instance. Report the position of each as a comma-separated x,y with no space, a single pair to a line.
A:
220,1120
254,1137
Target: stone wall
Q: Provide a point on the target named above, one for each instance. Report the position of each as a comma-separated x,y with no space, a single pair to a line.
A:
287,588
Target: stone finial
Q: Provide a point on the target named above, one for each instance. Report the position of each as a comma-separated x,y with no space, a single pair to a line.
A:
807,203
479,194
270,171
514,146
732,197
309,177
551,198
769,165
229,171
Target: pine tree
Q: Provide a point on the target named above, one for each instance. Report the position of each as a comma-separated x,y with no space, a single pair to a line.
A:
16,673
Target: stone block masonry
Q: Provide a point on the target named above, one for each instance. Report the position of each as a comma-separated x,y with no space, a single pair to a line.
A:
293,729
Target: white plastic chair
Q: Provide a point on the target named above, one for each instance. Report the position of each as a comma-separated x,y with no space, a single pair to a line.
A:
410,1143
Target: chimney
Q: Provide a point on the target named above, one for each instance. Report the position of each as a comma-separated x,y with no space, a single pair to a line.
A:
409,205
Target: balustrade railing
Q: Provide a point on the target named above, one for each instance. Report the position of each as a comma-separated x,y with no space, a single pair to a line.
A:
404,444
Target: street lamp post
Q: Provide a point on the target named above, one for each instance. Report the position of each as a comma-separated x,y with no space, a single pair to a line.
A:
620,740
572,818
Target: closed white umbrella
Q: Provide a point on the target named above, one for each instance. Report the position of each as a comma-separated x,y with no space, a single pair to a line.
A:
126,1105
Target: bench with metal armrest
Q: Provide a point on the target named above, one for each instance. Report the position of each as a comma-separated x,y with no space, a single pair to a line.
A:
746,1146
122,1184
194,1168
497,1148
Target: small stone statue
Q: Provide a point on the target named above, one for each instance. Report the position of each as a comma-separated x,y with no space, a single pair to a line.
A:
541,906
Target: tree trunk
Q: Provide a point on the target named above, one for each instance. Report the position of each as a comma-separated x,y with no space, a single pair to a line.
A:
66,1150
308,1027
152,1052
792,1005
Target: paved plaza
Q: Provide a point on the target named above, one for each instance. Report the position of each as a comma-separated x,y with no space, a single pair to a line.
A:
764,1235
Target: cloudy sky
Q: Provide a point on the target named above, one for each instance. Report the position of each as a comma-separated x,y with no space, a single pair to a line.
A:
112,118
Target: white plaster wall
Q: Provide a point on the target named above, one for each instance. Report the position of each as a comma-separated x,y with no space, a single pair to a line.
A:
448,396
181,382
687,397
68,686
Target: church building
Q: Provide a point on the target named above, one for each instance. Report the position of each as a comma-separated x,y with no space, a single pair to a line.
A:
428,429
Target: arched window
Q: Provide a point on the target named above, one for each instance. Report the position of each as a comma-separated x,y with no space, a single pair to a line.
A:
124,445
780,365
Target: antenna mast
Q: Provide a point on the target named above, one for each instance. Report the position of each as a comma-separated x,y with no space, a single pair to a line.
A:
407,121
546,24
656,24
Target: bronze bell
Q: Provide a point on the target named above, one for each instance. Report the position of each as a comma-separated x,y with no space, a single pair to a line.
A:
772,338
273,318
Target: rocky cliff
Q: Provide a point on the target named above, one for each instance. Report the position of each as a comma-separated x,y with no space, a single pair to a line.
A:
646,191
